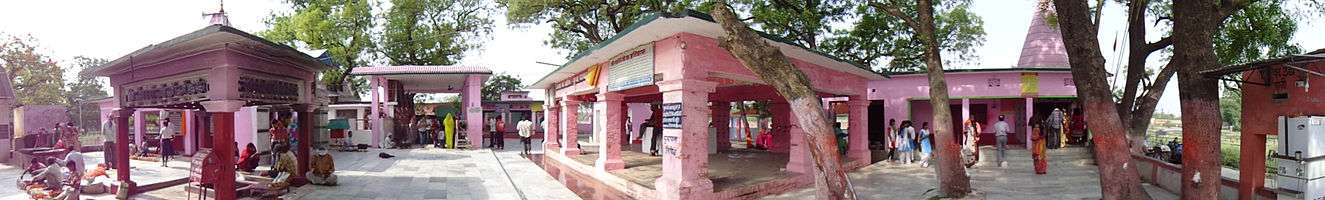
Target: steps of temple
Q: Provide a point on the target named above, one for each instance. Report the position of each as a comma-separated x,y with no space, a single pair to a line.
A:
1018,157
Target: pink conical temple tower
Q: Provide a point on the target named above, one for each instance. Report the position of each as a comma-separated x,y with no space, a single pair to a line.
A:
219,18
1043,46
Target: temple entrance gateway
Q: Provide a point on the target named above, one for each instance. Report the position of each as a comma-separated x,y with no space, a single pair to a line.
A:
392,104
219,70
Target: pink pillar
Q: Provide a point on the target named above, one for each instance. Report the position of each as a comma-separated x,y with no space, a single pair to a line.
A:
722,112
966,110
612,123
186,121
780,126
798,151
1030,111
222,112
858,130
1252,165
685,150
139,127
376,118
552,131
570,126
473,108
121,146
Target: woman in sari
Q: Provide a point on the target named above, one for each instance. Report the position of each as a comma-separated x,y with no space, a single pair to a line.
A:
972,137
1038,147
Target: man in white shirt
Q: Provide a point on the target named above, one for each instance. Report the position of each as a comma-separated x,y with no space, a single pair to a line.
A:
167,133
108,138
526,129
77,158
1001,130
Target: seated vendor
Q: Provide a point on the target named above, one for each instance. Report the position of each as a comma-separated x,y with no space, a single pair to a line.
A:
49,177
285,168
73,187
323,169
248,159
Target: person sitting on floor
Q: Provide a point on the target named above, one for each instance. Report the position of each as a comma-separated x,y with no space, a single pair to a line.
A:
73,185
248,159
324,168
284,168
49,177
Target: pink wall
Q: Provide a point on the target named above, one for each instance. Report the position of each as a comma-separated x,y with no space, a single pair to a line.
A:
899,90
704,58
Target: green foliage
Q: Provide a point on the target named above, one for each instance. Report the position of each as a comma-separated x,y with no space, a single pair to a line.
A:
84,90
1230,109
500,83
37,80
1262,30
877,37
434,32
342,27
803,22
578,25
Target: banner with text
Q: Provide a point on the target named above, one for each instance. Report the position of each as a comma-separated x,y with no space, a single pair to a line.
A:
631,69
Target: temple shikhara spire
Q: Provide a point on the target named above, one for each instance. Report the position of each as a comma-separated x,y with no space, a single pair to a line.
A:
1044,42
218,17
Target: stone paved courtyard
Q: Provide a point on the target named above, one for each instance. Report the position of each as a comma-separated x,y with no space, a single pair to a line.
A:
1071,176
426,173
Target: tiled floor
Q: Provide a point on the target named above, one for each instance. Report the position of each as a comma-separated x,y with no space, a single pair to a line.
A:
1068,178
414,174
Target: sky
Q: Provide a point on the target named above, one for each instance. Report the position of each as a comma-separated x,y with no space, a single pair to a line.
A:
110,29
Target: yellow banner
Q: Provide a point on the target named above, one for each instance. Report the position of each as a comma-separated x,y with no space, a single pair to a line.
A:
592,77
1030,83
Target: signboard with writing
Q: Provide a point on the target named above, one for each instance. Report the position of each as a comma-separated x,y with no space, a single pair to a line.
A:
670,146
671,115
631,69
1030,83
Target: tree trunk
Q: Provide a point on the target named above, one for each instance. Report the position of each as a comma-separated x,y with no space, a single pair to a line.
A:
953,180
1194,52
770,65
1119,179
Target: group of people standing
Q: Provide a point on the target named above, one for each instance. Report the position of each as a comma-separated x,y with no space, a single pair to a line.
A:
497,131
437,132
906,143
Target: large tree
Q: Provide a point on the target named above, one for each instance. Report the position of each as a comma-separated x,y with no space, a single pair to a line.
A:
1262,30
877,37
1080,29
434,32
919,16
578,25
1199,20
83,90
342,27
37,79
500,83
770,65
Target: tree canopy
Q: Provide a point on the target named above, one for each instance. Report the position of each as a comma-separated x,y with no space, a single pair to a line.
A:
342,27
500,83
578,25
863,35
37,79
434,32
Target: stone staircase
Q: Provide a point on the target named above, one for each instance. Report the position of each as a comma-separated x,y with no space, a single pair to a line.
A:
1019,157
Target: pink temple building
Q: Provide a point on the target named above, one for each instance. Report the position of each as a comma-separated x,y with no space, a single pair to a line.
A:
673,63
